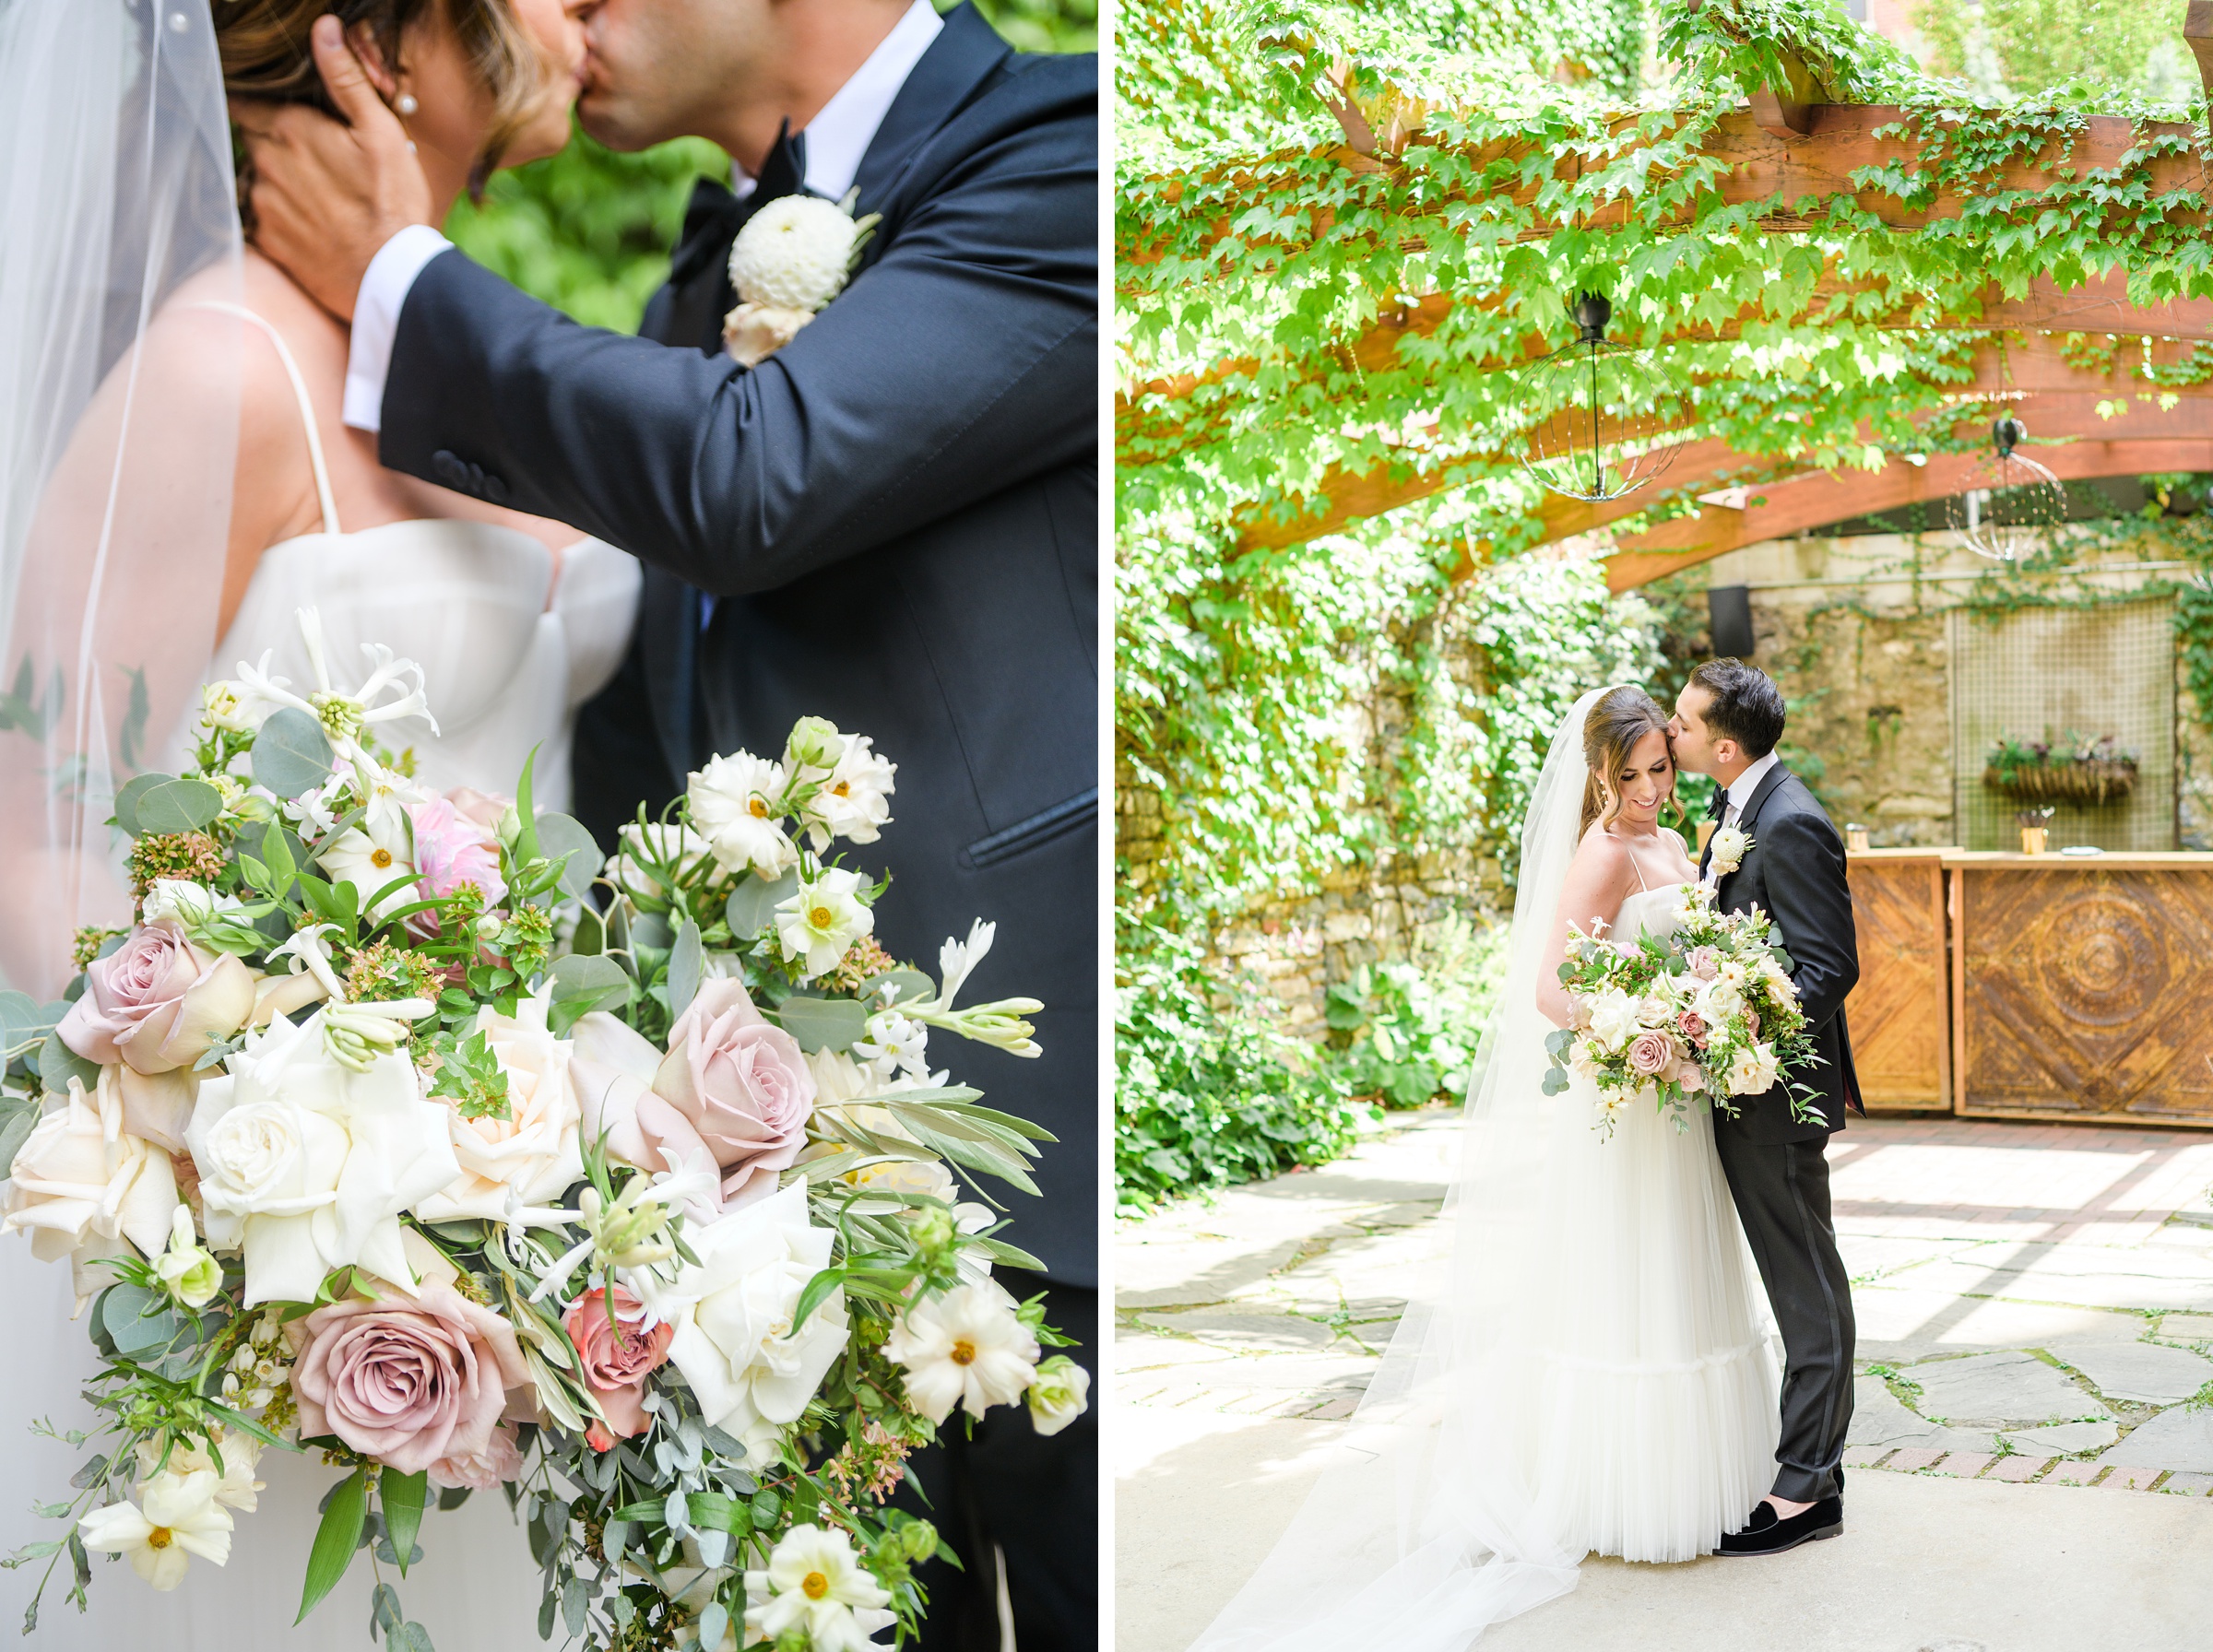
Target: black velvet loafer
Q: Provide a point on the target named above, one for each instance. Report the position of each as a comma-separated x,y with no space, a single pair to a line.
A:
1770,1533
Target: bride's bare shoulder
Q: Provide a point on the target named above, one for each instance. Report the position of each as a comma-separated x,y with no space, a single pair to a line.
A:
1601,853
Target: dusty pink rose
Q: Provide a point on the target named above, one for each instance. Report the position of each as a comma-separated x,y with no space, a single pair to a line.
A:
1686,1073
1692,1025
1751,1021
612,1068
743,1084
410,1380
616,1366
148,1011
1649,1053
452,850
484,1470
1703,963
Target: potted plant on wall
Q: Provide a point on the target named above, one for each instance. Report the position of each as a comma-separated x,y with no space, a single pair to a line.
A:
2070,771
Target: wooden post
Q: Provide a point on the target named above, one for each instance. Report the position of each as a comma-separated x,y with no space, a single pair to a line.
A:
2197,31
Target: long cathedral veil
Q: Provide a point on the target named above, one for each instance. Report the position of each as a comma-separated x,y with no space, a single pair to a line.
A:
118,436
1431,1532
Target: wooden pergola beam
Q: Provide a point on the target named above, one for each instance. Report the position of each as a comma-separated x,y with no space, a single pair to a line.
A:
1808,502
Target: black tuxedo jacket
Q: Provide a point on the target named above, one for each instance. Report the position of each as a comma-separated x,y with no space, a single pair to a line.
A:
1794,873
897,513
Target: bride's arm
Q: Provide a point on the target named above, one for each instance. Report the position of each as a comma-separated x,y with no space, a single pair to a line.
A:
1598,882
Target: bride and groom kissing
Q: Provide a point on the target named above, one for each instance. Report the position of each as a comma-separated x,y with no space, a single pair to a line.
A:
635,548
1594,1374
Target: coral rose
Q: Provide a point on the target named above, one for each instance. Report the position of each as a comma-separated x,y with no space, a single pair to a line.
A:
617,1364
410,1381
743,1084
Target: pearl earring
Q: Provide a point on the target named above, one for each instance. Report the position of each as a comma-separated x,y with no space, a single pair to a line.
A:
406,105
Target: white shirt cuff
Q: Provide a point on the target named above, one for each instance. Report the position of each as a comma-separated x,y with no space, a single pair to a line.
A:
385,288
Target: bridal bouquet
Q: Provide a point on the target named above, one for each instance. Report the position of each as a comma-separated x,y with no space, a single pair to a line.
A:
1711,1011
375,1137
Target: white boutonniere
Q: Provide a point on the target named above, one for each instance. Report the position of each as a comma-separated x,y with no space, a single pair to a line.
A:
790,260
1730,846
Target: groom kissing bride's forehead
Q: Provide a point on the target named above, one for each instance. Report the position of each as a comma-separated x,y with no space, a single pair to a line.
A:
889,521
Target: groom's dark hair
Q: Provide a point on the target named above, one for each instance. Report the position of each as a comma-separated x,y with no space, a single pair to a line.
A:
1743,704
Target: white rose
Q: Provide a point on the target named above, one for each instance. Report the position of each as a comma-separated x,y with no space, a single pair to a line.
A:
823,919
1752,1071
737,803
735,1341
1718,1001
530,1157
306,1165
855,797
965,1348
78,1188
1614,1018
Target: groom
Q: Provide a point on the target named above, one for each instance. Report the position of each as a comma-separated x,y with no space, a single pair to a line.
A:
1727,721
891,523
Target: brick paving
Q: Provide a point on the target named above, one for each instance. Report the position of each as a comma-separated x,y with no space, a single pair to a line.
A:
1964,1238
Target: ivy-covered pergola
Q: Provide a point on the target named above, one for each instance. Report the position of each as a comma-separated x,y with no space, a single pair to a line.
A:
1843,268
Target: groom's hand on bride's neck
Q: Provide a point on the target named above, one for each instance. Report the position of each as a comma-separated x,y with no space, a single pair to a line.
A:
327,195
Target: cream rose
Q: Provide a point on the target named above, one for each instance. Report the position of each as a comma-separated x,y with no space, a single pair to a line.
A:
735,1341
530,1157
81,1184
306,1165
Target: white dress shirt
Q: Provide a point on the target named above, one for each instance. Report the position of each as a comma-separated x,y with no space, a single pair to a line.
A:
1744,785
838,139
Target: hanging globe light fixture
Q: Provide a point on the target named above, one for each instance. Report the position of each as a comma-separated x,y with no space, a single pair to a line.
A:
2011,504
1601,413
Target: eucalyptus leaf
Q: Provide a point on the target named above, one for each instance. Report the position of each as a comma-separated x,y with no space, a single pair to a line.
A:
126,800
559,835
18,1119
823,1023
58,1064
900,987
176,804
292,754
752,904
687,967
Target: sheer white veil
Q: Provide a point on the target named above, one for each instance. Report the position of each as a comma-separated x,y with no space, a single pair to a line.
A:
118,435
1429,1531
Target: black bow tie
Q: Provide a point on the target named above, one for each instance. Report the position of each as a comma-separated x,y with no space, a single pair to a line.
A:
1718,808
715,216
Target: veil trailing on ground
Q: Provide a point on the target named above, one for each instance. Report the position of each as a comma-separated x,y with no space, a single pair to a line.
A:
118,435
1433,1529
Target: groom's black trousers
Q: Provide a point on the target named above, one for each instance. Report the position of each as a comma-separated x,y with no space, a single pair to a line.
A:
1034,1498
1782,1193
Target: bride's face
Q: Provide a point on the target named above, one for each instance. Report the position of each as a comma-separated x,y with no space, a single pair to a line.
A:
454,108
1644,784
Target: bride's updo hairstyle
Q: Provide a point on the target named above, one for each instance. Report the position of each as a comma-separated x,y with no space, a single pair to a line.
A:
266,54
1621,718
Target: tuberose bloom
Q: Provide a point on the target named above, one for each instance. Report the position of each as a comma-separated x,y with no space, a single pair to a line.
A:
815,1583
410,1380
616,1364
176,1515
743,1085
965,1348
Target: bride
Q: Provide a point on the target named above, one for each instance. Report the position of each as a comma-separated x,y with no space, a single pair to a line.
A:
1593,1376
178,483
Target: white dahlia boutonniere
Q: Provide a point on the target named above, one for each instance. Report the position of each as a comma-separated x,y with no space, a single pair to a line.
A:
1730,846
791,258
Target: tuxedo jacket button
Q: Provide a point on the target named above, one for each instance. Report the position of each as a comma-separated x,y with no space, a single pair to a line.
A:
494,489
450,469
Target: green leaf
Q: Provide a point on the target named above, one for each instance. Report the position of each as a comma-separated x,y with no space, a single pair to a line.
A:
401,1497
901,986
561,836
176,804
292,754
336,1539
752,904
526,848
823,1023
687,966
58,1064
818,1292
18,1119
126,800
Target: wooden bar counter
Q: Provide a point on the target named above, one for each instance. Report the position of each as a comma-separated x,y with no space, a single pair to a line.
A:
1899,1013
2081,986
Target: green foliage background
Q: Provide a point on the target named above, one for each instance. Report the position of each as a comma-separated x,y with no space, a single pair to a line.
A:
590,230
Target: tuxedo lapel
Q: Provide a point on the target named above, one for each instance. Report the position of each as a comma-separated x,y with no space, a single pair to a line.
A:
1747,819
961,59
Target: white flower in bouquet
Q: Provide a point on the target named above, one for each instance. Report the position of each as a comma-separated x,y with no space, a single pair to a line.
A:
1615,1016
193,1275
1752,1071
854,799
735,1340
78,1190
1777,980
815,1583
965,1348
176,1515
235,1486
1060,1395
179,901
1729,846
306,1161
230,705
816,925
343,714
530,1157
1718,1000
737,804
896,1041
668,843
370,854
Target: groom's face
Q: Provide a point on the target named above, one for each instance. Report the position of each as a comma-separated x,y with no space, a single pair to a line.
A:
656,69
1696,748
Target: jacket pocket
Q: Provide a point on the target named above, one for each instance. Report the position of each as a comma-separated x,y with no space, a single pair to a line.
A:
1071,814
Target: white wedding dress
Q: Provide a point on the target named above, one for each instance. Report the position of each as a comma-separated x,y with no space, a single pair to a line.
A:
1590,1373
506,662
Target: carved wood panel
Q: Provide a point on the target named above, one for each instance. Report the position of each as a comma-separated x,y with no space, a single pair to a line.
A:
2086,993
1897,1015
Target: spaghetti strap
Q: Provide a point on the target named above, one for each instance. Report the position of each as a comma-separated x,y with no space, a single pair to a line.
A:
307,411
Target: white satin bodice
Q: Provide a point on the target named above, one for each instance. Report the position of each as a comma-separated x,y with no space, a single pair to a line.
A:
510,644
1649,912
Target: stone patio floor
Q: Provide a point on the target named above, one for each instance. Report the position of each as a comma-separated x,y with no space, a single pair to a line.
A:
2035,1308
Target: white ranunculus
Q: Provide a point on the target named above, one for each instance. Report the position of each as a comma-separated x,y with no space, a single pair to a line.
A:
965,1348
854,800
815,1583
823,919
1752,1071
737,804
1614,1018
1060,1395
795,254
180,1517
306,1165
80,1186
531,1157
735,1341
